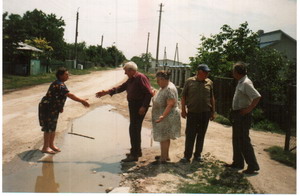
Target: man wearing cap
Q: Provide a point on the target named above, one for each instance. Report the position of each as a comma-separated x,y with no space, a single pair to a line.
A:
245,99
198,98
139,95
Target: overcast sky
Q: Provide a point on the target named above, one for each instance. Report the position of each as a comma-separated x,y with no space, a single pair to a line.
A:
126,23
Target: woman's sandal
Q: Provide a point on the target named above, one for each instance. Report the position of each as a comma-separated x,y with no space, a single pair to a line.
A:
158,157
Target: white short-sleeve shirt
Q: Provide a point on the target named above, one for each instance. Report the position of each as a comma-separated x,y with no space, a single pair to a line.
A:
244,94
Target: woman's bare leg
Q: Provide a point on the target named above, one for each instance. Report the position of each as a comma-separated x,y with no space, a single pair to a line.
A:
164,147
46,148
51,142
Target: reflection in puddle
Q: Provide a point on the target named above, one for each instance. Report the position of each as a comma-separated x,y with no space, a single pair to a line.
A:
46,183
84,164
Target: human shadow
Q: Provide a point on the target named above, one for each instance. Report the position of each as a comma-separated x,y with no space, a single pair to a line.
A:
31,155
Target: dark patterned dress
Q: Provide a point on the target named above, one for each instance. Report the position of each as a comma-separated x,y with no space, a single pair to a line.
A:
51,105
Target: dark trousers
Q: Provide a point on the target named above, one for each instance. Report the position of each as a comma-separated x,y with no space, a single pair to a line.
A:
135,127
241,142
196,127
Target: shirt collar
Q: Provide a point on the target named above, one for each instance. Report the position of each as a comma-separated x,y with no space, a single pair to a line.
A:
243,79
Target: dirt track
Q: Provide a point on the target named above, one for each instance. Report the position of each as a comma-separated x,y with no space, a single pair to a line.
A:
21,131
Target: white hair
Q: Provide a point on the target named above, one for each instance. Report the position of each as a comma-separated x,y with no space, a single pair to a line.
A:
130,65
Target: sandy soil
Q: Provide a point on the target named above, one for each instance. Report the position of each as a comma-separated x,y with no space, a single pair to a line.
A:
21,132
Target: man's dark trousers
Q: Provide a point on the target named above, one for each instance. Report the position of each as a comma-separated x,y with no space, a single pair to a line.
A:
241,142
196,126
135,127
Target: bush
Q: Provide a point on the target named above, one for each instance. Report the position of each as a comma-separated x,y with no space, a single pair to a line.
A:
258,115
222,120
267,125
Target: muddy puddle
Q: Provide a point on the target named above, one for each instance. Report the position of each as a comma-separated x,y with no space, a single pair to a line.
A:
85,165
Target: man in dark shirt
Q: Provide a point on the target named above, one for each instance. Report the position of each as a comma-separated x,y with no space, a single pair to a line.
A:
198,99
139,94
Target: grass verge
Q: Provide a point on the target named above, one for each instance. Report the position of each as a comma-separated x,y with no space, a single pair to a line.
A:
286,157
14,82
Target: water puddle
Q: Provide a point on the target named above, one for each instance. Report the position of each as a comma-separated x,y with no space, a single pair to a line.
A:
85,164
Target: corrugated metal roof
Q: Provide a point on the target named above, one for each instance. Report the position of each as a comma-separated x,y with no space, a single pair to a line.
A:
23,46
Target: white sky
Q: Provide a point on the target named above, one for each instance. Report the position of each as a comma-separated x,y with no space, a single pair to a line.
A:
127,22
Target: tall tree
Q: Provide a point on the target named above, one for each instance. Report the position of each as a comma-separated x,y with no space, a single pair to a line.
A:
39,24
268,68
221,50
13,33
33,24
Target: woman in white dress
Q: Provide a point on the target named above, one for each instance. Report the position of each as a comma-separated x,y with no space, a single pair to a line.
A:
165,115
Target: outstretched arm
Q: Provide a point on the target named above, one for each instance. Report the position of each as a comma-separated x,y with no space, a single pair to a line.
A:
101,93
75,98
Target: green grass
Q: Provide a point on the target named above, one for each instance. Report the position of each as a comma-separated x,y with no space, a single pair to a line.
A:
262,125
15,82
286,157
215,178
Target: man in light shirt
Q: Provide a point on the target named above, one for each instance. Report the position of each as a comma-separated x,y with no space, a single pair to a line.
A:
246,97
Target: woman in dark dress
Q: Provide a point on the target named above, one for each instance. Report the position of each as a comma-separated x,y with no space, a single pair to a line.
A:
51,105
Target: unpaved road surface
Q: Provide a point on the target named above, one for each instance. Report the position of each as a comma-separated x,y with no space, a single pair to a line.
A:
21,132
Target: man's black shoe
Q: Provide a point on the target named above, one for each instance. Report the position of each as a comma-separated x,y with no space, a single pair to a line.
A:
184,160
197,159
234,166
130,159
250,171
139,155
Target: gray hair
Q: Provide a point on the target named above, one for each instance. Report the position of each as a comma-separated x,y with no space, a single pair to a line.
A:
130,65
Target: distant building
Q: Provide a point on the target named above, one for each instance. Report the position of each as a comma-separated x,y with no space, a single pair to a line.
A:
280,41
24,62
163,63
179,71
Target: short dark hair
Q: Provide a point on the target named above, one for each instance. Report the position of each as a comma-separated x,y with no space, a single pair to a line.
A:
60,71
163,74
240,67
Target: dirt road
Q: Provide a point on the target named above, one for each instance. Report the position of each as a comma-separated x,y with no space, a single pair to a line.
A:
21,132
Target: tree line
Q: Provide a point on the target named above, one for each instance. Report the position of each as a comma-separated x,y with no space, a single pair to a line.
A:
46,32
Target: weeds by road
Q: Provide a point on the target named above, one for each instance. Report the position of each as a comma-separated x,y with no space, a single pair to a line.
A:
209,176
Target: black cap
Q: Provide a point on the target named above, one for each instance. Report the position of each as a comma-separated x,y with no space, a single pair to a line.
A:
203,67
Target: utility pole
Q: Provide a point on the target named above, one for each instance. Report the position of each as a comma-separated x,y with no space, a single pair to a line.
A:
165,62
101,46
76,35
158,36
176,54
147,59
